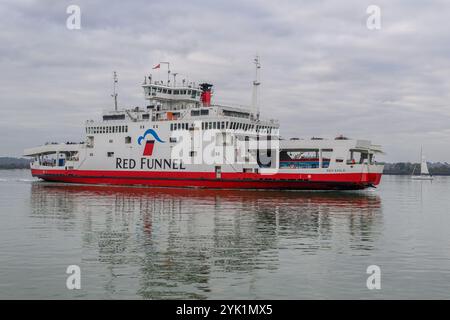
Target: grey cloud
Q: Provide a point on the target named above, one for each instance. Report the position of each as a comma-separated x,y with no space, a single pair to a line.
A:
324,73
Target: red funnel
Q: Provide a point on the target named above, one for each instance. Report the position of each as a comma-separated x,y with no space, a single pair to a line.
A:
148,151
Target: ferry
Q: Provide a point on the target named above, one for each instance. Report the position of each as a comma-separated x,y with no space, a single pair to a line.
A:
182,139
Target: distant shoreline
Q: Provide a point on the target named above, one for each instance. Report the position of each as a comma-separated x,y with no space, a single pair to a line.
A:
14,163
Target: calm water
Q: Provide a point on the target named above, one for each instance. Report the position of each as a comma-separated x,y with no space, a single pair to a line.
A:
136,243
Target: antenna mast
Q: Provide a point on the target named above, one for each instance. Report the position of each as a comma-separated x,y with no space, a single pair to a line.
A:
256,83
114,95
168,71
174,78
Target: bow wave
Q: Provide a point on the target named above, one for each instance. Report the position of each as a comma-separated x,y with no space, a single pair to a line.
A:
149,132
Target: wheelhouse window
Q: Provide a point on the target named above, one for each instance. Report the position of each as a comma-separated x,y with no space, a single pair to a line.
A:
127,139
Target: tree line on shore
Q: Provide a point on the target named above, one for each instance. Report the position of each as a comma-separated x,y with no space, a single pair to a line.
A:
408,168
14,163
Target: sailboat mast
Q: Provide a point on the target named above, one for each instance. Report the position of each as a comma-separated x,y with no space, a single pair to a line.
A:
424,174
421,158
423,165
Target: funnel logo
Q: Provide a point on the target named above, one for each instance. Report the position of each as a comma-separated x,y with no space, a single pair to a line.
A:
149,144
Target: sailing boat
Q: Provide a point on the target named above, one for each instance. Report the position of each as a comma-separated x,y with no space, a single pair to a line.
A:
424,173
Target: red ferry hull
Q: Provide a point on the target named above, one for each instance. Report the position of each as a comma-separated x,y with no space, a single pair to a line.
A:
328,181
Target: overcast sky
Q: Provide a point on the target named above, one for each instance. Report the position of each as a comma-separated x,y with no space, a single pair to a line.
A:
323,72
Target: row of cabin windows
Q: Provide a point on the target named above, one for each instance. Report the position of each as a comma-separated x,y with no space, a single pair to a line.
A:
221,125
227,113
236,114
170,91
248,127
106,129
201,112
180,126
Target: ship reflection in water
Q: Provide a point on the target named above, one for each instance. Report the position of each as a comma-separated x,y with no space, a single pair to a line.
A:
187,243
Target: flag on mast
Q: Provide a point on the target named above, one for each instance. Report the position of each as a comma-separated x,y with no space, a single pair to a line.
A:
157,66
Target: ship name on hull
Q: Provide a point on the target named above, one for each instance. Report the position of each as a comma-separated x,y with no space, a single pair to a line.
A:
150,164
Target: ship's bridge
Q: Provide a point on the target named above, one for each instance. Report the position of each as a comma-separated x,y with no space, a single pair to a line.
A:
164,97
163,93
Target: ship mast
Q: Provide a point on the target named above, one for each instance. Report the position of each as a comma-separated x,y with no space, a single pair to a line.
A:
168,72
114,95
256,83
174,78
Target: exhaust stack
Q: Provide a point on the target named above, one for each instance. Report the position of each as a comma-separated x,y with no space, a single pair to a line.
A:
205,97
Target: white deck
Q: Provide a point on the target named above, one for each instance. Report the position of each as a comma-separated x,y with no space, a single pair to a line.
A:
52,148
